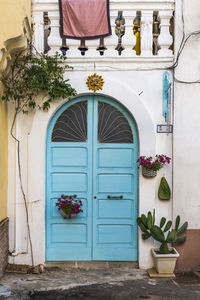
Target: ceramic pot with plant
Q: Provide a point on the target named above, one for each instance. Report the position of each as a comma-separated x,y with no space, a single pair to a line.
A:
151,165
69,206
164,257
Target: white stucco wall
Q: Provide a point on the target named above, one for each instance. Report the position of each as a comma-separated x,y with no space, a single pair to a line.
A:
186,145
141,93
146,109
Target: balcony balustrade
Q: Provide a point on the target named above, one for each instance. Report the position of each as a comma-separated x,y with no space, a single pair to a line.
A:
145,37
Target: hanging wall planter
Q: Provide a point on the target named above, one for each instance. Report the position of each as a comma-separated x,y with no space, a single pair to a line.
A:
151,165
148,172
69,206
67,216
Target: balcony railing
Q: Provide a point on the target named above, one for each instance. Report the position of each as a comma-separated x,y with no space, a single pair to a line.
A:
146,34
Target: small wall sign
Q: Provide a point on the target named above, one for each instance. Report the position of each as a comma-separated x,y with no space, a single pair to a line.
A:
164,128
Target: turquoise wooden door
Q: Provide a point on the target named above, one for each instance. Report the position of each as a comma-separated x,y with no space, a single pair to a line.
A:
92,149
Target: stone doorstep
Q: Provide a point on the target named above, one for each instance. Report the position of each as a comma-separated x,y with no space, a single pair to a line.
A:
24,269
15,268
154,274
92,264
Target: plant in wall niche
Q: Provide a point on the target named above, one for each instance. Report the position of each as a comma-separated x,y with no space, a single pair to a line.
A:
151,165
164,235
69,206
32,75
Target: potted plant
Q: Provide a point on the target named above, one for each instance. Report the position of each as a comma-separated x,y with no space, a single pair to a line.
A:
151,165
164,257
69,206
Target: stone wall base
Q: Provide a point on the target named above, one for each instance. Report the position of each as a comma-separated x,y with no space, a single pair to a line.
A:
189,252
3,245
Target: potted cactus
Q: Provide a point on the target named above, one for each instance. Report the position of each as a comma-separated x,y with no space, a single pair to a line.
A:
164,257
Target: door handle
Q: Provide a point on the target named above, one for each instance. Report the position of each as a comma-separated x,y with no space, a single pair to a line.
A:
114,197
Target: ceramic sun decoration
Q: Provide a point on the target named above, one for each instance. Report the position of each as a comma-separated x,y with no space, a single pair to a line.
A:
95,82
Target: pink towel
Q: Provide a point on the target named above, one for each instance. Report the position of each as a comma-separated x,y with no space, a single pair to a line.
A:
84,19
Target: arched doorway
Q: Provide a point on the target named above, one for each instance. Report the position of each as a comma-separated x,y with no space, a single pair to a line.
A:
92,148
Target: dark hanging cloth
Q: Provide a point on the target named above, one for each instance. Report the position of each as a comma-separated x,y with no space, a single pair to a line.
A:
84,19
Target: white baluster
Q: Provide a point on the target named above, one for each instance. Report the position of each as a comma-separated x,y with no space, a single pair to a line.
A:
165,39
54,40
38,36
129,39
146,33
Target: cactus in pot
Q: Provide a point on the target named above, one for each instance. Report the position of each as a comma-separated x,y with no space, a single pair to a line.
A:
161,233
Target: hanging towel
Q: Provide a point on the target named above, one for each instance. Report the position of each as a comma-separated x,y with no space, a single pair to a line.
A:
84,19
164,192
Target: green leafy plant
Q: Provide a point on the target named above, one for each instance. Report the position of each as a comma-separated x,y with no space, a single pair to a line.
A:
36,74
162,233
69,205
153,163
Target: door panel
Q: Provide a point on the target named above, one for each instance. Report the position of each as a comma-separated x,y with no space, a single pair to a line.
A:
70,182
69,233
114,188
92,152
114,183
115,209
117,158
69,171
114,234
64,156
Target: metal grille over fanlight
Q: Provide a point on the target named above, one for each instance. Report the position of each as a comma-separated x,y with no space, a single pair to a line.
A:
71,126
113,127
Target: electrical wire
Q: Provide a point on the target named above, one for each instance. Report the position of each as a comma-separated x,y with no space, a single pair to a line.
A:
184,40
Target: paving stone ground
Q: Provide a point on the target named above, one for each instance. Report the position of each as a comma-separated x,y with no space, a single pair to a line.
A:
95,284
